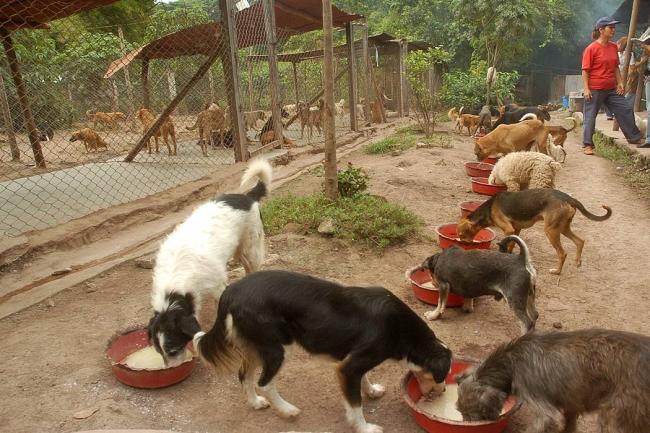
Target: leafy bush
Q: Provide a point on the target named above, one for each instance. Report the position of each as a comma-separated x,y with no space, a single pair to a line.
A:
469,88
369,220
352,181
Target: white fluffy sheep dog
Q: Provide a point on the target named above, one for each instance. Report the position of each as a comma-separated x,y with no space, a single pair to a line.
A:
194,257
522,170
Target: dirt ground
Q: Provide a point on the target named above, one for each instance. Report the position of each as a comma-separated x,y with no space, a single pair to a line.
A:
52,360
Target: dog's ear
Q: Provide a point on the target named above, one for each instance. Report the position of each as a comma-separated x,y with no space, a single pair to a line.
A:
152,324
190,326
430,263
492,401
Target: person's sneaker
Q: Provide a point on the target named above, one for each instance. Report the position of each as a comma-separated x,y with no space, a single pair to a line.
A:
643,146
588,150
639,141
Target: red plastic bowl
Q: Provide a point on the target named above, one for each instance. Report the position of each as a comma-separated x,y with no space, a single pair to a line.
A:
418,277
131,341
433,424
478,169
468,207
490,160
448,236
480,185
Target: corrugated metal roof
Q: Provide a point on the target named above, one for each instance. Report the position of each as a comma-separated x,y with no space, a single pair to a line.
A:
16,14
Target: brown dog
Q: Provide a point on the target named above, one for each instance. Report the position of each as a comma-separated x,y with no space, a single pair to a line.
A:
469,121
147,118
559,133
269,136
210,120
91,139
514,211
251,118
513,138
109,119
560,376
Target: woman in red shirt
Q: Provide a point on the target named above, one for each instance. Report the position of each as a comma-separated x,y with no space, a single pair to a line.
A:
603,84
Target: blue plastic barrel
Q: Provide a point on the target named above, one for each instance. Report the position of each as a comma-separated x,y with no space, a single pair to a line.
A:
565,102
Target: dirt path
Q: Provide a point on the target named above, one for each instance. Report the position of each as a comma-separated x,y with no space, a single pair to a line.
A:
52,360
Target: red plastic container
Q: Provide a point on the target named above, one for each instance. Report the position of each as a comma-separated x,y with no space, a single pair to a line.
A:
478,169
420,276
490,160
131,341
448,236
468,207
433,424
480,185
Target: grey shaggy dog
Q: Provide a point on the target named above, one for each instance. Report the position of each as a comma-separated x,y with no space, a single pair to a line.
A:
561,375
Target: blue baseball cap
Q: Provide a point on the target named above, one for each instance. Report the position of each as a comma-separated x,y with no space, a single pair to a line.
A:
605,21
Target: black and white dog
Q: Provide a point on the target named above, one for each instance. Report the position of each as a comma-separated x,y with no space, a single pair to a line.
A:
475,273
192,260
359,327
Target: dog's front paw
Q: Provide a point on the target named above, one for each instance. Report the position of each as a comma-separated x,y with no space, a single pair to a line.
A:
258,403
375,390
288,411
370,428
578,263
555,271
432,315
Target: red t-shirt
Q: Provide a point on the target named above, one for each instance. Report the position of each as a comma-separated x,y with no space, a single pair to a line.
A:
601,62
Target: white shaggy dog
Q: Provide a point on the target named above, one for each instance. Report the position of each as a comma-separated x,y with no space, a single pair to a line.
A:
523,170
192,260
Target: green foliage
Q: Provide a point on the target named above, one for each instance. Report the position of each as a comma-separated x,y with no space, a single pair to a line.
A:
352,181
469,88
403,139
368,220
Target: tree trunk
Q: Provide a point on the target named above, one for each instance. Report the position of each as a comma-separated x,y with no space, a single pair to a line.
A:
9,124
331,183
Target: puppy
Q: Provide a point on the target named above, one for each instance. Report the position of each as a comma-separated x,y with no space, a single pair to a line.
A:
492,274
45,131
251,118
561,375
560,133
514,211
192,260
512,138
358,327
514,115
485,119
452,114
147,119
469,121
523,170
90,138
642,124
108,119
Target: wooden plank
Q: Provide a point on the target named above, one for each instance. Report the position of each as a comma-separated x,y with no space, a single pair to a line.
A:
21,90
171,107
331,184
295,82
286,9
9,124
271,45
229,59
352,77
366,71
398,85
404,81
271,145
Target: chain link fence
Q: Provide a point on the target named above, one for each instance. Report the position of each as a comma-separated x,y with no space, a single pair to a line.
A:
89,86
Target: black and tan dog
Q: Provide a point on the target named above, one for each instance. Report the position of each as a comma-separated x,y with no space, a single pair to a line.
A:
514,211
492,274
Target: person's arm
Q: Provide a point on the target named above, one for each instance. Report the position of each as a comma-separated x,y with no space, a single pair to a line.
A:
585,83
620,87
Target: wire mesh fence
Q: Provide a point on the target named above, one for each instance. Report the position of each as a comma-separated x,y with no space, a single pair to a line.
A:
79,96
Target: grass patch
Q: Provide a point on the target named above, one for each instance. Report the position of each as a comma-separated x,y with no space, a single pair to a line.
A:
365,219
633,169
406,138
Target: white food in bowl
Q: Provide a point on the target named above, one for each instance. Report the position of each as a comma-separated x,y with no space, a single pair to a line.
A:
148,359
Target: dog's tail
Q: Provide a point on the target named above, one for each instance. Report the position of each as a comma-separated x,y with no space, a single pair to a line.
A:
215,346
261,169
528,116
575,123
576,204
523,248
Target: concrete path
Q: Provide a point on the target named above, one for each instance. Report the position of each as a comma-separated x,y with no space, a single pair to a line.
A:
605,126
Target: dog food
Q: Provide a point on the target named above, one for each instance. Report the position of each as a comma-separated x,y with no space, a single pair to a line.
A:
428,285
148,359
443,405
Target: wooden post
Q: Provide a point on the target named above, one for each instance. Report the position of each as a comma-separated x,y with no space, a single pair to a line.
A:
628,48
639,88
127,79
21,90
331,183
379,98
171,82
352,77
271,42
251,104
295,82
404,82
366,71
172,105
116,96
231,77
399,87
9,124
144,78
